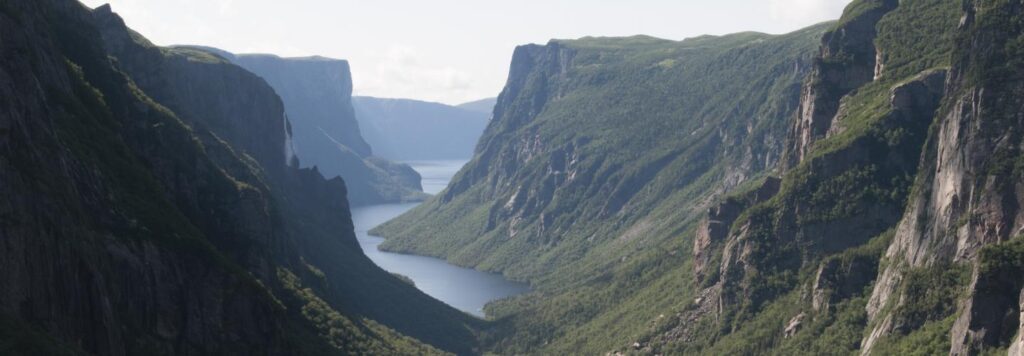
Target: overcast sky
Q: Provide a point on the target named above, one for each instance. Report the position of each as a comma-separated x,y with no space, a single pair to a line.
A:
449,51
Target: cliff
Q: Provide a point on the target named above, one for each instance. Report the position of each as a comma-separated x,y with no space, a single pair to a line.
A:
403,129
317,97
129,228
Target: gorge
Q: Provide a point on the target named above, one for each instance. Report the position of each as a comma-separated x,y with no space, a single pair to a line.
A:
850,188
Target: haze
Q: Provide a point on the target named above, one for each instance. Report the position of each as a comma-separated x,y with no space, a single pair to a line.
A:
448,51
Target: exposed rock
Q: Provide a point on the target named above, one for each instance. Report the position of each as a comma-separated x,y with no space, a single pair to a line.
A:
838,280
847,60
794,325
1017,343
968,197
715,226
794,231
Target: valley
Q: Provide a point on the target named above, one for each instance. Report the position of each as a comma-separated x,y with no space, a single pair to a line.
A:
848,187
463,288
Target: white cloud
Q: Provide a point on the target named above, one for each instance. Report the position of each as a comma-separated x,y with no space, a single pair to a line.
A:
400,72
225,6
806,11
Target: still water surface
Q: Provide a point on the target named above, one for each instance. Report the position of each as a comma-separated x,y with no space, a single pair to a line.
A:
463,288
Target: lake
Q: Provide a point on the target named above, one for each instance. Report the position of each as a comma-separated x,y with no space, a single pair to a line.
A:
465,289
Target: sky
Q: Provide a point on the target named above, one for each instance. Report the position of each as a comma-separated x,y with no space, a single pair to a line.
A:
449,51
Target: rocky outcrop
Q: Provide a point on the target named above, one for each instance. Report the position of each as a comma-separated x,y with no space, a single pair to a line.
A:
838,279
714,228
847,60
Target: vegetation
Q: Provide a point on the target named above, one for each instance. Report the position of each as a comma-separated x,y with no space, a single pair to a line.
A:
592,179
647,129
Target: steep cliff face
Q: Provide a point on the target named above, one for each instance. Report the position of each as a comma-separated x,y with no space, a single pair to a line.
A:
966,206
404,129
318,90
128,230
805,255
847,59
317,95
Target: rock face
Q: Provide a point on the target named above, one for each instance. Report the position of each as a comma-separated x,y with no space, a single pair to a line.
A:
317,92
714,228
847,60
852,152
837,279
970,193
402,129
128,228
317,97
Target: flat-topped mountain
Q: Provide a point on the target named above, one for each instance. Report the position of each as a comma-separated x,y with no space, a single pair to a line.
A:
317,95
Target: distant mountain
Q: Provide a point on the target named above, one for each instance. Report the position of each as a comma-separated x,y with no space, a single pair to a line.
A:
317,93
402,129
482,105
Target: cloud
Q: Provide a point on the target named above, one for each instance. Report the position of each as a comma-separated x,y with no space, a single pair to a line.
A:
224,6
806,11
401,72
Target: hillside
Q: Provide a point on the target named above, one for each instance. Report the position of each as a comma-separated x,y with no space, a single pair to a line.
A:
848,188
403,129
149,209
600,158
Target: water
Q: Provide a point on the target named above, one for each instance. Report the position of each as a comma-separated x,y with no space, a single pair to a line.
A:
463,288
436,174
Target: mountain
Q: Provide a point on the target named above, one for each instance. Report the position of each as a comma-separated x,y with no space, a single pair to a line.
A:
402,129
601,155
317,95
485,106
850,188
149,208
